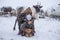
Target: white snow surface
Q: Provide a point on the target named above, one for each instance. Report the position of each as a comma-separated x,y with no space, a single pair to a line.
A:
46,29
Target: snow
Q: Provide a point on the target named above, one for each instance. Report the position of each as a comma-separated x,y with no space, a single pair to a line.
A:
17,3
46,29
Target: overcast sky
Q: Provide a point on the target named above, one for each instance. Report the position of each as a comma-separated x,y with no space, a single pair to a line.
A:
45,3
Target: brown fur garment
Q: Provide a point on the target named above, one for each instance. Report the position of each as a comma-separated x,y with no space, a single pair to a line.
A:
28,11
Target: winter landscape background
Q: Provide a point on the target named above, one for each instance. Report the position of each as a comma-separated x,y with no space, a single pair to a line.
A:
47,4
46,28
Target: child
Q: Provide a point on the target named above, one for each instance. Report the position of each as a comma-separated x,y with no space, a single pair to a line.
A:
27,28
29,24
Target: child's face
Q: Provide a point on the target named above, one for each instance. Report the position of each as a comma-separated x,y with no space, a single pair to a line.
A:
29,22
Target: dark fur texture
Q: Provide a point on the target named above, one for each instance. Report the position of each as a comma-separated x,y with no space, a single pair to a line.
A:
37,7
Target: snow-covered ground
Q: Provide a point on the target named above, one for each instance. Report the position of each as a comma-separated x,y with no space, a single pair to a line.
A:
46,29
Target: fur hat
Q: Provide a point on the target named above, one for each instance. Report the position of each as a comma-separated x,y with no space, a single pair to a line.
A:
28,10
